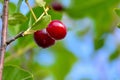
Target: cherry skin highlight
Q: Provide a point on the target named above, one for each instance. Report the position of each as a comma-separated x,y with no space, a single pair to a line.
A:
57,6
42,39
56,29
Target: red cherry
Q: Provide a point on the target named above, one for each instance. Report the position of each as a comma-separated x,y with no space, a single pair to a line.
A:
57,6
42,39
56,29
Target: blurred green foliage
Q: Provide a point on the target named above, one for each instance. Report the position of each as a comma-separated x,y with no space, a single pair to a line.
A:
114,55
22,52
101,11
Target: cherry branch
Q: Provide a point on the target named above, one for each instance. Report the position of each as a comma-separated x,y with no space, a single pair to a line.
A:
3,36
16,37
31,9
23,33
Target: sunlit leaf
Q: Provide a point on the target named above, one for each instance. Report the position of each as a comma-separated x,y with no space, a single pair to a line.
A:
41,24
11,72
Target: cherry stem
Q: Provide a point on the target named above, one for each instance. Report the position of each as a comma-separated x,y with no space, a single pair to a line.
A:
31,9
45,10
26,32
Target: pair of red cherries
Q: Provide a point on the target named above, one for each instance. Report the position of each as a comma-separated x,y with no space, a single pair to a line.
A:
56,30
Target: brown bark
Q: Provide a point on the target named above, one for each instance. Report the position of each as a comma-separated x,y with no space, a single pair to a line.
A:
3,36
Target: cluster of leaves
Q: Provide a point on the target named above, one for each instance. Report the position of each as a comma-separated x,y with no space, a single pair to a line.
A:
16,52
22,52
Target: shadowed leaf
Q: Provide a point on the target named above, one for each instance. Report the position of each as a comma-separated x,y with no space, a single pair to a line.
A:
117,10
17,18
114,55
15,73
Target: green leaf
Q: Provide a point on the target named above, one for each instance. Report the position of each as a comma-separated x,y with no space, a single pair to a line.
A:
40,3
117,10
114,55
12,8
118,25
48,1
38,11
16,19
12,72
98,43
41,24
13,30
55,15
